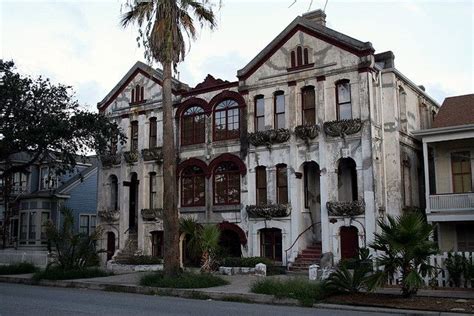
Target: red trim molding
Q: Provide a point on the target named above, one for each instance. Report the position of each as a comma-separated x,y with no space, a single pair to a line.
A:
191,102
235,228
193,162
228,157
226,95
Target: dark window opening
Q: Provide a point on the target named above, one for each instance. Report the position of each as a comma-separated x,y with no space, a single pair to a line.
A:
279,100
261,177
309,105
226,184
193,187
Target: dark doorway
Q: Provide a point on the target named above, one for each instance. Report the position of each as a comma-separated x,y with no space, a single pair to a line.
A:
347,180
133,202
271,243
230,243
157,244
110,245
349,242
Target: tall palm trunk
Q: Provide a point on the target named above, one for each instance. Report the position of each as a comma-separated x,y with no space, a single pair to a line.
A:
170,218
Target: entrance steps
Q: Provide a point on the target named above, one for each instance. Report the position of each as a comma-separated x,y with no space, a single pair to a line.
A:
310,255
130,249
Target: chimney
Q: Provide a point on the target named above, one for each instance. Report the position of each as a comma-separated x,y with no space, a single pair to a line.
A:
317,16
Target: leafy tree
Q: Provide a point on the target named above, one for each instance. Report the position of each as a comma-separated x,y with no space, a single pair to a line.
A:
405,246
163,25
72,250
38,117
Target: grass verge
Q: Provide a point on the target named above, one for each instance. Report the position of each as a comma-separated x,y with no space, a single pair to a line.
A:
307,293
57,273
182,281
17,268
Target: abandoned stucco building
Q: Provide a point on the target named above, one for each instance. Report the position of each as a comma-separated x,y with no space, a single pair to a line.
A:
302,155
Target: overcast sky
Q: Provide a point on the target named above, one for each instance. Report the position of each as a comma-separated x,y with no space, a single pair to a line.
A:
81,43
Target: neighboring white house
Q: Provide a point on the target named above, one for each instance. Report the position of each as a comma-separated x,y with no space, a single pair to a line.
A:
302,155
448,150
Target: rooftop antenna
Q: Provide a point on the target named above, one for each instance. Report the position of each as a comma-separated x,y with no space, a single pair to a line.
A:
310,4
324,10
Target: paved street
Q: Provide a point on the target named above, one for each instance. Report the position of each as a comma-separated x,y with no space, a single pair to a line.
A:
18,299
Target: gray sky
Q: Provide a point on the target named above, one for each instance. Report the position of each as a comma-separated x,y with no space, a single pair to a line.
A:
81,43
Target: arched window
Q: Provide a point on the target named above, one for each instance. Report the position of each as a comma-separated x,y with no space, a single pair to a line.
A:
282,184
261,184
193,126
309,105
402,102
279,103
259,113
226,120
137,94
193,187
347,180
152,136
113,192
343,100
299,56
226,183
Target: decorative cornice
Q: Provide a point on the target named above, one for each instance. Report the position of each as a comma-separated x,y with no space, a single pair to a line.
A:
268,211
346,209
269,137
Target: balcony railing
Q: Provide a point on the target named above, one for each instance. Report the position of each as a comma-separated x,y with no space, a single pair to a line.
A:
452,202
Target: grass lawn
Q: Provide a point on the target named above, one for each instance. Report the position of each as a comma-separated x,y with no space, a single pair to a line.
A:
56,273
306,292
17,268
182,281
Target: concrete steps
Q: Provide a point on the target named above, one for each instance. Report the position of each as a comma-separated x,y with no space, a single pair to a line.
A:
130,249
310,255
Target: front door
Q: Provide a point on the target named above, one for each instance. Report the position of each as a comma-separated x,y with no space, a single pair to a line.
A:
110,245
349,242
133,203
271,243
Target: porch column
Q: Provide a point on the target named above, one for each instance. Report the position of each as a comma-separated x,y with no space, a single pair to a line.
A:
427,176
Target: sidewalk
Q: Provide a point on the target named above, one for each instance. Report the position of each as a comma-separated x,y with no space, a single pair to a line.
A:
238,289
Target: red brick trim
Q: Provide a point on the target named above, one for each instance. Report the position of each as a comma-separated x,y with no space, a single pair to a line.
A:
228,157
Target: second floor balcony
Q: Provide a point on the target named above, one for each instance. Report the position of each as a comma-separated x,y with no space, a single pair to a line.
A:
451,202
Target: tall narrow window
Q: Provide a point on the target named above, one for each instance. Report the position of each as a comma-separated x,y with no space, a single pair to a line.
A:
282,184
293,59
261,177
157,244
461,172
193,187
152,193
309,105
113,145
134,136
226,183
259,113
347,180
343,100
32,228
279,100
227,120
305,56
299,55
84,224
113,192
193,126
137,94
152,139
406,181
23,227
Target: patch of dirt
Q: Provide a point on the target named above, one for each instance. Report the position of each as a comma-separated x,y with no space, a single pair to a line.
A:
439,304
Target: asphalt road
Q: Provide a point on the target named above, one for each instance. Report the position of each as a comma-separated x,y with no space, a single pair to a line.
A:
16,299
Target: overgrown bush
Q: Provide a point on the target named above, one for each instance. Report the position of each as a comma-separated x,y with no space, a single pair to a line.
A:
17,268
183,280
458,267
306,292
249,262
57,273
141,260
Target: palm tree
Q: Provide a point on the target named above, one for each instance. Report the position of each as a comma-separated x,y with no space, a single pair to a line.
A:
210,236
163,25
406,246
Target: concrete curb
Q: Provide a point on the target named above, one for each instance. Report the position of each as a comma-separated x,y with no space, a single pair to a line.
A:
220,296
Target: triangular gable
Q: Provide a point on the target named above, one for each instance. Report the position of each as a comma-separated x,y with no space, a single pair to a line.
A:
311,28
139,68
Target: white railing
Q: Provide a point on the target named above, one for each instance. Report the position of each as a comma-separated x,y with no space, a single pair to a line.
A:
452,202
441,277
38,258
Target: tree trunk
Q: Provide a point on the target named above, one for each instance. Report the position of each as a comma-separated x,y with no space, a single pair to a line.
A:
170,211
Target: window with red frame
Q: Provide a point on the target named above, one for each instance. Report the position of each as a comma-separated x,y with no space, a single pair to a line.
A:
343,100
227,120
279,100
259,113
138,94
309,105
261,177
134,136
152,138
226,183
282,184
193,126
193,187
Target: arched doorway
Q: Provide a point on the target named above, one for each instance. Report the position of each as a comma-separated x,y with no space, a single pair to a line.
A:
230,243
133,203
349,242
110,245
312,195
271,243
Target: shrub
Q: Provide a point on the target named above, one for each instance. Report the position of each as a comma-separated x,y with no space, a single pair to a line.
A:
139,260
182,281
17,268
249,262
57,273
458,267
306,292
